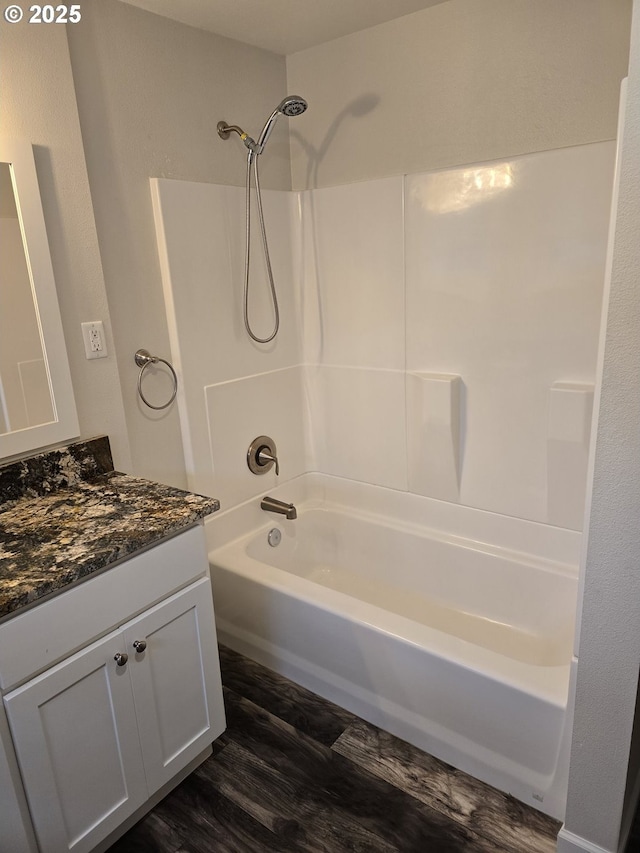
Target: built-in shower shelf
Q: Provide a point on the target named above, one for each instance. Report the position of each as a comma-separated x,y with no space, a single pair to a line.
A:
433,434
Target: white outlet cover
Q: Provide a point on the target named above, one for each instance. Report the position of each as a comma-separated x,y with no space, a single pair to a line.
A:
95,345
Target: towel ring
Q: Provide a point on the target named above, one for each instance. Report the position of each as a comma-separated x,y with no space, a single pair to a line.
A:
143,359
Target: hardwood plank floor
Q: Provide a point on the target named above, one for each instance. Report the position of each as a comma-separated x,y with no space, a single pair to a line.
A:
294,773
482,809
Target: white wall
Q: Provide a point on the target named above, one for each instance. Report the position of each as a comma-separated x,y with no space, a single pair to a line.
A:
441,310
445,341
461,82
232,389
609,651
150,93
37,103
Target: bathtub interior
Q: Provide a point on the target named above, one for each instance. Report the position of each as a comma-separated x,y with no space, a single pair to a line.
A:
468,660
513,604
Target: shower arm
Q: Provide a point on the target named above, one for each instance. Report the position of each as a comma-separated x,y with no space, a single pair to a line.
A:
225,130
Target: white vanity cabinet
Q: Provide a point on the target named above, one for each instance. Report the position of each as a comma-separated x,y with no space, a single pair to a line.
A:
114,720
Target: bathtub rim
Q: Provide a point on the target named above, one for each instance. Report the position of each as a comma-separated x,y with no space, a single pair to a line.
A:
521,539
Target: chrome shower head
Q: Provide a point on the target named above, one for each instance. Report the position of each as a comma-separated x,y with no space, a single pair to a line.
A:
292,105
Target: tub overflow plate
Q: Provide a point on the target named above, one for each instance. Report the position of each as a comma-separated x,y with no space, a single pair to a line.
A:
274,536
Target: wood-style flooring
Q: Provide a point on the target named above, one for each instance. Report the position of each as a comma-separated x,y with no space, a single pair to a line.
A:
295,774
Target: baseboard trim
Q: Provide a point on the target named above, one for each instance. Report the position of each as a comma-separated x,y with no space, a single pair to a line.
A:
568,842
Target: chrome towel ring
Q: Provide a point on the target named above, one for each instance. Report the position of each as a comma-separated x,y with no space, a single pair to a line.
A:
143,359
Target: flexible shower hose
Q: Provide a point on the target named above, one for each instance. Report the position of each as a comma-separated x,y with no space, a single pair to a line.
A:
254,157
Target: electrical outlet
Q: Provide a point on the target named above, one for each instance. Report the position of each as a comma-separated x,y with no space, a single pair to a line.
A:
95,345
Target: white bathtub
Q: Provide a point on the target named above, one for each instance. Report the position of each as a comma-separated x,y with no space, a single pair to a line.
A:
461,646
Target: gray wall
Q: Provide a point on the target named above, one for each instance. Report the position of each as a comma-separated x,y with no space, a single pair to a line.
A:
462,82
37,103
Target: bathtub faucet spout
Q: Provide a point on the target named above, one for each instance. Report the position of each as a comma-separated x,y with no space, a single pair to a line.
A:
274,505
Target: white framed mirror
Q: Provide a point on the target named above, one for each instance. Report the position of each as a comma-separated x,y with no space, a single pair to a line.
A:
37,406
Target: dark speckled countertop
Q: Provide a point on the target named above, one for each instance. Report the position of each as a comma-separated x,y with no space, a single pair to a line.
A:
64,515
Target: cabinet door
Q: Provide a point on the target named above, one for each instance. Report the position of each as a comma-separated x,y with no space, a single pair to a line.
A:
76,738
176,681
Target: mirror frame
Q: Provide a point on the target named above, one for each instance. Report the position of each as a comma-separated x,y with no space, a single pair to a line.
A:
19,155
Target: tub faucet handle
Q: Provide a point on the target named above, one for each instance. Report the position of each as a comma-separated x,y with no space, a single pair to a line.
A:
265,457
262,455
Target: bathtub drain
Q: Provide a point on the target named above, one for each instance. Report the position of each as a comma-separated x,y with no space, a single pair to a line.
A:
274,537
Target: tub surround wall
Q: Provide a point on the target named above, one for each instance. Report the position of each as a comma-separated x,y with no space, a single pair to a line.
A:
569,431
504,275
352,290
200,231
352,308
435,347
265,404
434,458
357,423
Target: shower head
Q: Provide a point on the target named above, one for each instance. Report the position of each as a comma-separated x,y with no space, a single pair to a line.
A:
292,105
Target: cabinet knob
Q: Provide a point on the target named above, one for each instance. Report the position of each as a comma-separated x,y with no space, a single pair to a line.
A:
121,658
139,646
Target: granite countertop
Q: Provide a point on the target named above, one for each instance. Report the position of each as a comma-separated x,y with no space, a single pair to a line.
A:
81,521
